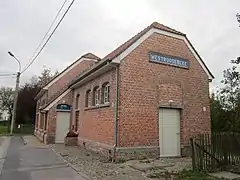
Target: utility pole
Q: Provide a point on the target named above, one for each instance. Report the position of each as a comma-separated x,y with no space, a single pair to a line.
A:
15,94
15,103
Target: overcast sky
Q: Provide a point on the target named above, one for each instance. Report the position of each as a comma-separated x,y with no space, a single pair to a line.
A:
99,26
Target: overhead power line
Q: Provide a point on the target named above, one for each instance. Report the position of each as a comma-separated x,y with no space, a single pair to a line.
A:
47,32
7,74
35,57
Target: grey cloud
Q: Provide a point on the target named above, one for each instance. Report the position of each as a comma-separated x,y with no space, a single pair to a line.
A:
100,26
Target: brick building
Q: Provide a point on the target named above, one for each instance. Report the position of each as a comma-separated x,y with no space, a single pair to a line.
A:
149,96
55,92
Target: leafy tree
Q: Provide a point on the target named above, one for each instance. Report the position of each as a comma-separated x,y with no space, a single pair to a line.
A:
238,17
225,105
6,100
45,77
26,106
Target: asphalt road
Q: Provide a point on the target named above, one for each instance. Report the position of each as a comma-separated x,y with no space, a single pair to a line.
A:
32,163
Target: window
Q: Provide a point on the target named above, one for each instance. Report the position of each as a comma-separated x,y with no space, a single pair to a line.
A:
45,122
37,121
38,105
96,96
87,98
77,101
43,102
76,121
41,121
105,93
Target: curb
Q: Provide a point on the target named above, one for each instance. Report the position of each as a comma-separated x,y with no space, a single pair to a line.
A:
4,154
82,175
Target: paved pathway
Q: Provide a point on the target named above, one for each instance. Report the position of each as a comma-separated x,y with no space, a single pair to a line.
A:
34,163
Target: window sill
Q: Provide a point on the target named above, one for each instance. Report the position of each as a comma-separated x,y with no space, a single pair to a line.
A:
98,106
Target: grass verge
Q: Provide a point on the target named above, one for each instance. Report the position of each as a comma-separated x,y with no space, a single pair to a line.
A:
192,175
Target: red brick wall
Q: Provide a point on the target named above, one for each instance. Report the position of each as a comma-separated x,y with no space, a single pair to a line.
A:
145,86
37,123
97,124
68,77
52,114
55,89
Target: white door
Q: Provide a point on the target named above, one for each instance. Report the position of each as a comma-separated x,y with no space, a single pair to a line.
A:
169,132
62,126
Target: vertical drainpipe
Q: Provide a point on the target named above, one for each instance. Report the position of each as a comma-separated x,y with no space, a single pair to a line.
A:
45,126
116,114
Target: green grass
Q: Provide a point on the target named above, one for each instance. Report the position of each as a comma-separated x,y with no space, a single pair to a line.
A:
27,129
3,129
192,175
183,175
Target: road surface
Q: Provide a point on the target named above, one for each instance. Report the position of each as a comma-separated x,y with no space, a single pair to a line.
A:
34,163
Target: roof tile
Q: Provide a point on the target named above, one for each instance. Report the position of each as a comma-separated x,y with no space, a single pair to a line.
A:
125,45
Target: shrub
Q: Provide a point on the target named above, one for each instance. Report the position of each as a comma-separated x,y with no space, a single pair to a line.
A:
72,134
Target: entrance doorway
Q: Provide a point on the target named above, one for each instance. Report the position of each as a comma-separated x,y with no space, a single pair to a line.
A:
169,132
62,126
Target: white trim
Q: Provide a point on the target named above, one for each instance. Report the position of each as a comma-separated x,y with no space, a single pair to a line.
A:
93,75
57,99
154,30
67,70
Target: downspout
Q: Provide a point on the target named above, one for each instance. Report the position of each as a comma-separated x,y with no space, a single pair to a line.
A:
116,115
45,126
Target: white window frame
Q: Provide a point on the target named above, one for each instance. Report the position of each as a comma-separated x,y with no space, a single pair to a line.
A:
106,91
97,96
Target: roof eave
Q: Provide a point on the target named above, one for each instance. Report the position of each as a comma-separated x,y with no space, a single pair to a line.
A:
210,73
93,73
40,94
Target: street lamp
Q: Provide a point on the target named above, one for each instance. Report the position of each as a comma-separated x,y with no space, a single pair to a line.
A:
19,64
15,93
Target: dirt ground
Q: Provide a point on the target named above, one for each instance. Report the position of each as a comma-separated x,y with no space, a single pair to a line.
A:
95,167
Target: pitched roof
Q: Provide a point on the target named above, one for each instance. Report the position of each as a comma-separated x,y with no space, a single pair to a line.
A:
40,94
131,41
87,55
125,45
90,56
55,96
155,25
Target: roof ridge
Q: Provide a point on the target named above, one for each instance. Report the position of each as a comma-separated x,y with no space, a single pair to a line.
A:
129,42
90,56
87,55
157,24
